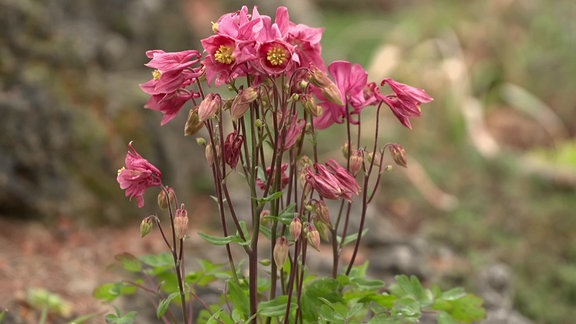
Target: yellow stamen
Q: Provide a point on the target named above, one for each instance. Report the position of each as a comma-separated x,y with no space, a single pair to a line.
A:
121,169
214,27
276,56
224,55
156,74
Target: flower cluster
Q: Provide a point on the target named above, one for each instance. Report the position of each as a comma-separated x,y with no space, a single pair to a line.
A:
281,95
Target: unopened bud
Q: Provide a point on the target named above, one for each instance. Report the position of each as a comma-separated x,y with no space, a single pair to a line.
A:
281,252
200,141
146,226
193,124
322,229
313,237
295,228
209,106
399,155
322,211
332,93
345,150
166,197
356,162
242,102
319,78
310,105
181,222
265,217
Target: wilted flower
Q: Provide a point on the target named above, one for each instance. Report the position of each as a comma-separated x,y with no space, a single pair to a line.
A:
137,176
332,181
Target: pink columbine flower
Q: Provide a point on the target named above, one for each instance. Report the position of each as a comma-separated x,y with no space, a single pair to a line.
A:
137,176
209,106
172,70
169,104
351,80
405,102
325,183
232,147
349,185
261,183
293,132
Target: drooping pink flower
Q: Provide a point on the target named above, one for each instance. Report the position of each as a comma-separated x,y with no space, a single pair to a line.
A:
137,175
351,80
172,70
405,102
332,181
294,132
261,183
232,147
349,185
209,106
323,182
169,104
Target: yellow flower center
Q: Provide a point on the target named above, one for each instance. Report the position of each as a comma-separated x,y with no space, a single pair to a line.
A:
156,74
121,169
276,56
224,55
214,27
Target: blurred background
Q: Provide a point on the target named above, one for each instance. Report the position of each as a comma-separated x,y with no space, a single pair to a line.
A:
491,183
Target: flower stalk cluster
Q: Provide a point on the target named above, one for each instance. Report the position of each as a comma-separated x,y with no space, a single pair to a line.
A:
282,95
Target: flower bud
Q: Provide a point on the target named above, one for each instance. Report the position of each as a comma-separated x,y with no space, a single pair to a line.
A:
181,222
322,229
313,237
164,200
356,162
193,124
310,105
319,78
209,106
295,228
146,226
345,150
322,211
399,155
281,252
333,94
242,102
265,217
201,141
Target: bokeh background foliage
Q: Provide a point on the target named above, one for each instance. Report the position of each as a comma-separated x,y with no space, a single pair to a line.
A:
493,159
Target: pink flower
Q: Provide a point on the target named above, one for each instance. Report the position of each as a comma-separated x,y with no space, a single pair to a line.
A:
168,103
232,147
137,176
405,102
209,106
294,132
172,70
275,57
332,181
351,80
283,177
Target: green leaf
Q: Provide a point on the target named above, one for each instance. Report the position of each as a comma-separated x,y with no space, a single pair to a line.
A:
275,307
453,294
368,284
326,288
81,319
269,198
445,318
287,214
129,262
350,238
238,296
110,291
465,309
128,318
406,307
411,286
218,240
158,260
165,303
